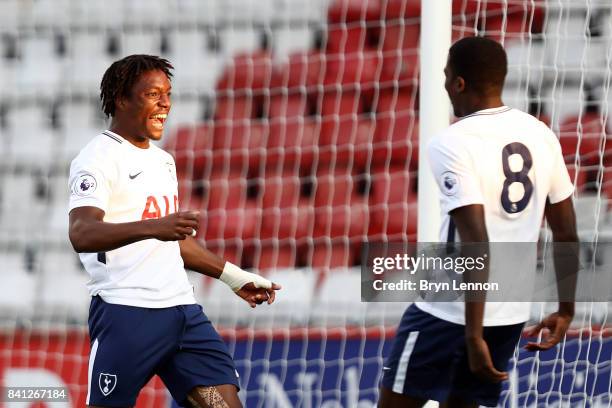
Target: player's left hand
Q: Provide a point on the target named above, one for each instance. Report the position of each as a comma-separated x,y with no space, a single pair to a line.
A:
256,296
479,358
557,324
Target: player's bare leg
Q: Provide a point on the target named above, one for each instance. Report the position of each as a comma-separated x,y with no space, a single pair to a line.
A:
390,399
219,396
455,401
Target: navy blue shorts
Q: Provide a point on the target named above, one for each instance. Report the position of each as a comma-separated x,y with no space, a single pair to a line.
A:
131,344
428,359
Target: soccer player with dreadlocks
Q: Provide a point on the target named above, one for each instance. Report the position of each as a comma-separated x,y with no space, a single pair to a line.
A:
134,242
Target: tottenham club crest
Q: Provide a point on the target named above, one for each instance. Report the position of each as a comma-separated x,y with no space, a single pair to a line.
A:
450,183
107,383
85,185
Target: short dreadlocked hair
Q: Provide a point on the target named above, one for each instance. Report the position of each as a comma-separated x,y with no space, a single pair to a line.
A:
121,76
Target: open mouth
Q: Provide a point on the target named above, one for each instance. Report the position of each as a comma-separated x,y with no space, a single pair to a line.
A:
159,119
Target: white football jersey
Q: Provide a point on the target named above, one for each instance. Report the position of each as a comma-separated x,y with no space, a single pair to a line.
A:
511,163
131,184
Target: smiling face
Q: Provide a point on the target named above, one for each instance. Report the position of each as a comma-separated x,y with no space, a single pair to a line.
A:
143,113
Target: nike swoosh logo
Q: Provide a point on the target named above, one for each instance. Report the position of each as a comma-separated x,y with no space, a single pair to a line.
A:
133,176
386,368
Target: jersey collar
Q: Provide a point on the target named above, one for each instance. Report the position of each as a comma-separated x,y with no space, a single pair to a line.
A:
490,111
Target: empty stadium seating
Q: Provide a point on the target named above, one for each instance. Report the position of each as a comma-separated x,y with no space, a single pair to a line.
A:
63,292
393,206
340,208
287,212
582,136
17,288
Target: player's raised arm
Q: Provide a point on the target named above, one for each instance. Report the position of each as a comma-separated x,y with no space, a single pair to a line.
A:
89,233
562,221
253,288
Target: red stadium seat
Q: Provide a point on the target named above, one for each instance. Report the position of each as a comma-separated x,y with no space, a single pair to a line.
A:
230,223
229,212
397,127
326,254
340,109
302,69
292,135
334,189
345,135
402,36
342,221
191,148
346,140
521,19
274,257
280,190
393,204
400,48
234,107
192,202
346,39
341,11
291,141
295,222
239,144
226,191
286,213
400,9
589,131
229,251
347,32
340,209
341,103
251,71
357,68
294,105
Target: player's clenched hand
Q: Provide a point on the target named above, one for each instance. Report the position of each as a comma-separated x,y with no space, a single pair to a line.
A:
256,296
176,226
557,324
480,361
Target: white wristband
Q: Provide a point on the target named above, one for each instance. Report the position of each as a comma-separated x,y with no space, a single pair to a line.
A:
236,278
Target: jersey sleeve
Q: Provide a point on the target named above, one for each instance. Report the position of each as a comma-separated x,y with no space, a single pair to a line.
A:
91,179
561,185
454,173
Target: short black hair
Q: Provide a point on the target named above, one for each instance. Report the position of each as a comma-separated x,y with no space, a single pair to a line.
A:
121,76
481,62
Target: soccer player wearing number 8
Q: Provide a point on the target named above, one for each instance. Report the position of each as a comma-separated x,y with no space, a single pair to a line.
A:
499,172
134,242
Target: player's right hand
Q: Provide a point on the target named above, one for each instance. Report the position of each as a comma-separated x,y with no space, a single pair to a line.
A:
481,365
557,325
176,226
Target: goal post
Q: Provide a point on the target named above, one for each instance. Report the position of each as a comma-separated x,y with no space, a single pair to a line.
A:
436,24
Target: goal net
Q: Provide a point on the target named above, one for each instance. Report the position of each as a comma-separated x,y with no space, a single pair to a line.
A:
295,131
